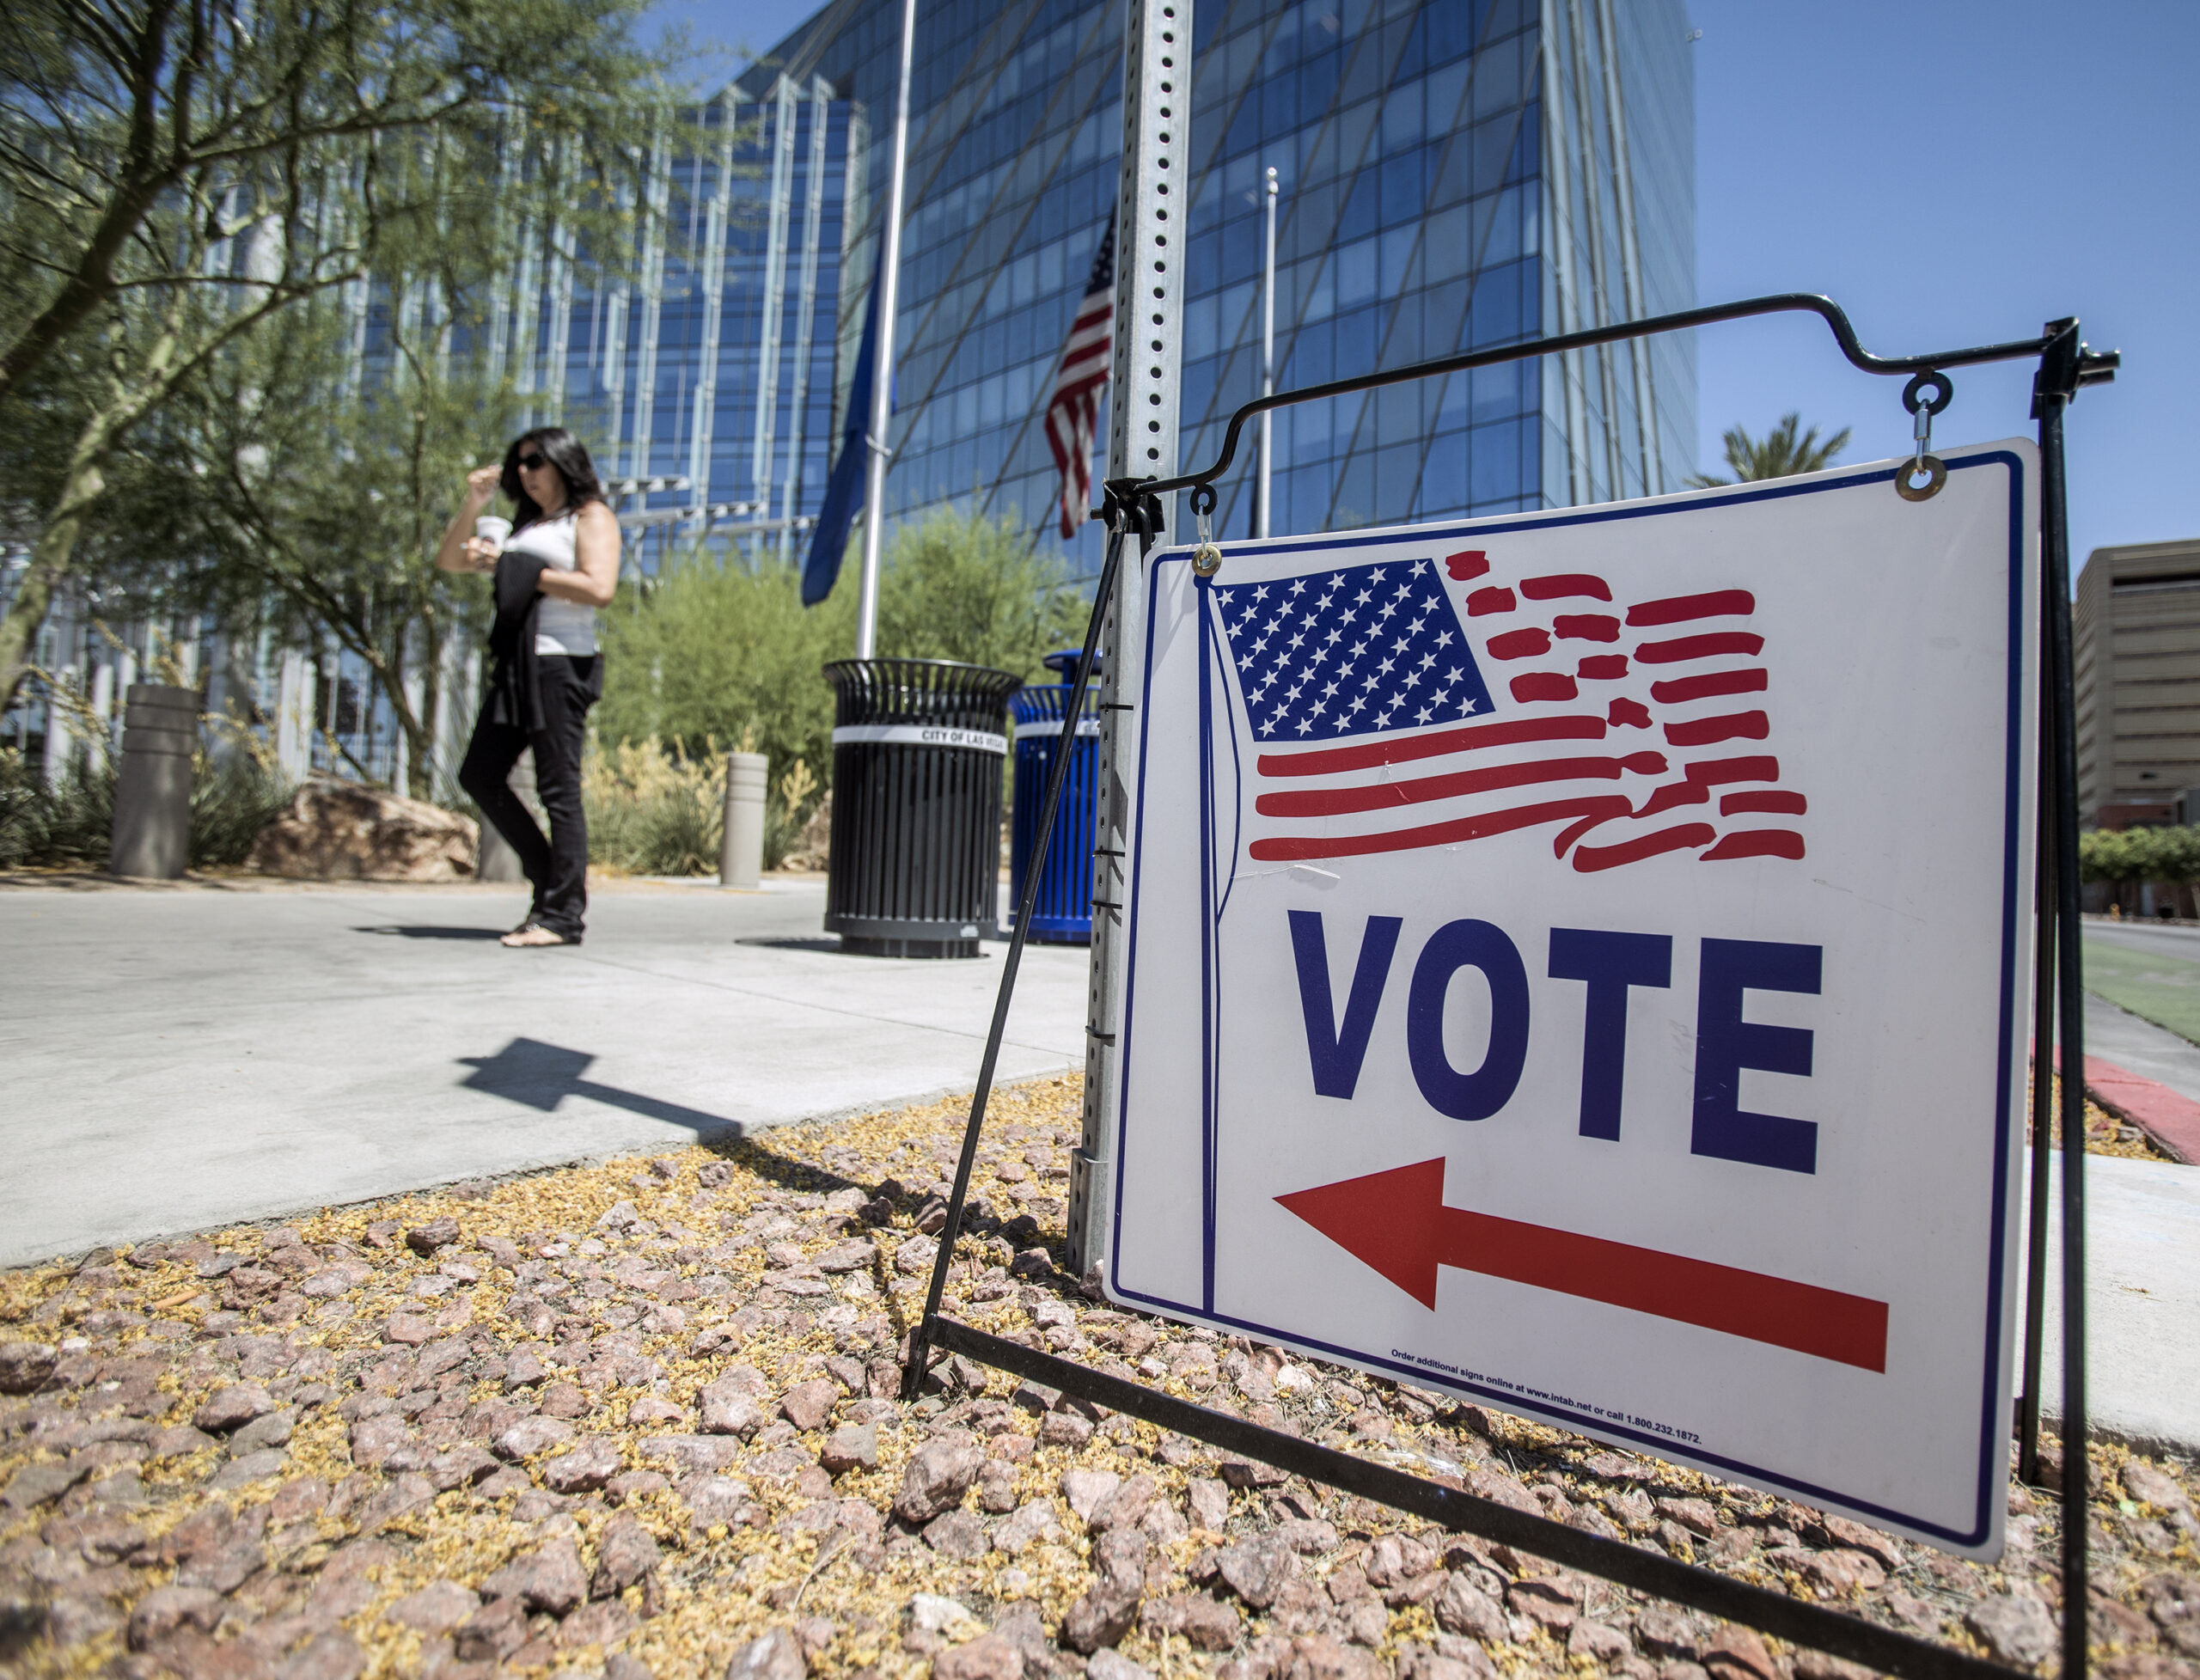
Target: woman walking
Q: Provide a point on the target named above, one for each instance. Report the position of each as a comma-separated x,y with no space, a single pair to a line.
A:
558,565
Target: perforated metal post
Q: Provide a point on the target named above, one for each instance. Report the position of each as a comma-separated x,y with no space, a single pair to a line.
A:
1152,214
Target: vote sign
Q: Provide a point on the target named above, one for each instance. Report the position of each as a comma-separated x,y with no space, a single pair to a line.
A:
1575,961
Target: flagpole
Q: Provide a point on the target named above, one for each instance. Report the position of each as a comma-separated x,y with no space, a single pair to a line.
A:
1267,356
882,376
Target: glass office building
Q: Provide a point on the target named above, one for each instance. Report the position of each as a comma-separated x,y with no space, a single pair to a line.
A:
1454,174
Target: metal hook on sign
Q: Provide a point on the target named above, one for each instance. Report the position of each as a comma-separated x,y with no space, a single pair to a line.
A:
1924,463
1206,559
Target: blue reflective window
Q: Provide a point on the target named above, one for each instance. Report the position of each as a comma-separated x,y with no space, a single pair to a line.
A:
1241,247
1406,342
1318,82
1494,461
1355,493
1357,275
1396,265
1357,340
1498,393
1199,327
1362,208
1403,192
1527,159
1403,111
1495,315
1444,474
1307,500
1311,359
1397,473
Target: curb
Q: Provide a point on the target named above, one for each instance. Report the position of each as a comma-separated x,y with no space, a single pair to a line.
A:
2172,1121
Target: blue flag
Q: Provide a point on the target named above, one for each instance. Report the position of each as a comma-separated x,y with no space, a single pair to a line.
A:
843,490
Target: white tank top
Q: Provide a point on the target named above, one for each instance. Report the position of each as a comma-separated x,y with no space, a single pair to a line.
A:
560,627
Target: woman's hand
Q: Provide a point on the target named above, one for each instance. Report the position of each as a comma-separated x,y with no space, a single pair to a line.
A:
457,551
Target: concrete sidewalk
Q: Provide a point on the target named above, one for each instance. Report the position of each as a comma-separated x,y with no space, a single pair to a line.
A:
2142,1308
2118,1036
180,1059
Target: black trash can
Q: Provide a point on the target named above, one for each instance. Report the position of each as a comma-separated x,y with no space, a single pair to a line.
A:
917,751
1062,912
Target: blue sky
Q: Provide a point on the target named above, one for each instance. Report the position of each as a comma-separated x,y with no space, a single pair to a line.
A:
1956,173
1952,174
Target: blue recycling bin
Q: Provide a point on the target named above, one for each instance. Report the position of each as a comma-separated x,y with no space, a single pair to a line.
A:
1062,912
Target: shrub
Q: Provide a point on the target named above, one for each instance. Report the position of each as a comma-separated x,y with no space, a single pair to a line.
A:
70,825
55,826
652,811
2169,855
712,656
657,810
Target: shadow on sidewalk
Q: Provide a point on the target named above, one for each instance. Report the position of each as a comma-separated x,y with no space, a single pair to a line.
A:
398,931
542,1076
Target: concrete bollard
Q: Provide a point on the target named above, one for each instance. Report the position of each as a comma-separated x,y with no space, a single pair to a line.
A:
741,849
151,835
496,861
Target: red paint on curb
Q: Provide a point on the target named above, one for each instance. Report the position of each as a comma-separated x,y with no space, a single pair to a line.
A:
2172,1121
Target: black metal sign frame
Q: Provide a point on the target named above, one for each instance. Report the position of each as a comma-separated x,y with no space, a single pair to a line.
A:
1132,507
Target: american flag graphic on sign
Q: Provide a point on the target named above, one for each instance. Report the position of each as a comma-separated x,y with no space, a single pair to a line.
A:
1431,702
1074,408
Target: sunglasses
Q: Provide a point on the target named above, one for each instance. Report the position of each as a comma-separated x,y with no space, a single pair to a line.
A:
530,462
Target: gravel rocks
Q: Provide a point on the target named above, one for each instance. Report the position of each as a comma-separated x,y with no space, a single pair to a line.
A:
938,1473
853,1446
26,1365
2014,1626
549,1579
642,1420
232,1408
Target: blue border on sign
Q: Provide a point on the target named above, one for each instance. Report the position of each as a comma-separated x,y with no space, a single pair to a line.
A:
1993,1424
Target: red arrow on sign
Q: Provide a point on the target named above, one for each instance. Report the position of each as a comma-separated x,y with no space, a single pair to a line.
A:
1396,1222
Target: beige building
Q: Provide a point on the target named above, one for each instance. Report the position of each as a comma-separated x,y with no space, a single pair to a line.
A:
2137,628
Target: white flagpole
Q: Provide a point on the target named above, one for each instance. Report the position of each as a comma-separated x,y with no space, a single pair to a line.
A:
1268,354
881,367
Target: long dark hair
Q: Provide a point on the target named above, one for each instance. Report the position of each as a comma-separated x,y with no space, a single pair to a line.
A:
563,451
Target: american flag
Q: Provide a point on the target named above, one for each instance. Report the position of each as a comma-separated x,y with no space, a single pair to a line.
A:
1074,408
1629,722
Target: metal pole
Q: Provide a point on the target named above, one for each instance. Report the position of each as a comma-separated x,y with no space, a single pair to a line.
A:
1151,211
2058,382
882,375
1263,503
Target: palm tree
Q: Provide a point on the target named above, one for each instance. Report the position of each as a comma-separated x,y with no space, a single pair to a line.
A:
1781,454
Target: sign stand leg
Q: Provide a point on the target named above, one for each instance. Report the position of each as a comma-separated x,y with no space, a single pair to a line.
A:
913,1374
2058,383
2043,1121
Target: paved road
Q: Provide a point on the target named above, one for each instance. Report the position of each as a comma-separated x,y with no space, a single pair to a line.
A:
175,1059
2160,938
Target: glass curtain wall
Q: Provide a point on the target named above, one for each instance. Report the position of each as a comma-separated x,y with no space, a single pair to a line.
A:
714,363
1454,174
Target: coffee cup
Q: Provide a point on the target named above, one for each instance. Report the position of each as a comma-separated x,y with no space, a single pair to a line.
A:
492,528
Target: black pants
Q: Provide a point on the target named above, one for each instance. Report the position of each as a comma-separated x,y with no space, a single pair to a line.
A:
558,867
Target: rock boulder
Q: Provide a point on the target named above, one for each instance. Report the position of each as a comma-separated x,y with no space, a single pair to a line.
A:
344,831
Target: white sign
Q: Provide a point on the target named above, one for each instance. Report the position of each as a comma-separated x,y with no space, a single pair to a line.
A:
1576,960
920,735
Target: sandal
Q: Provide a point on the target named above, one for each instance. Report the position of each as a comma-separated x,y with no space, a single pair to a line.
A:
530,934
